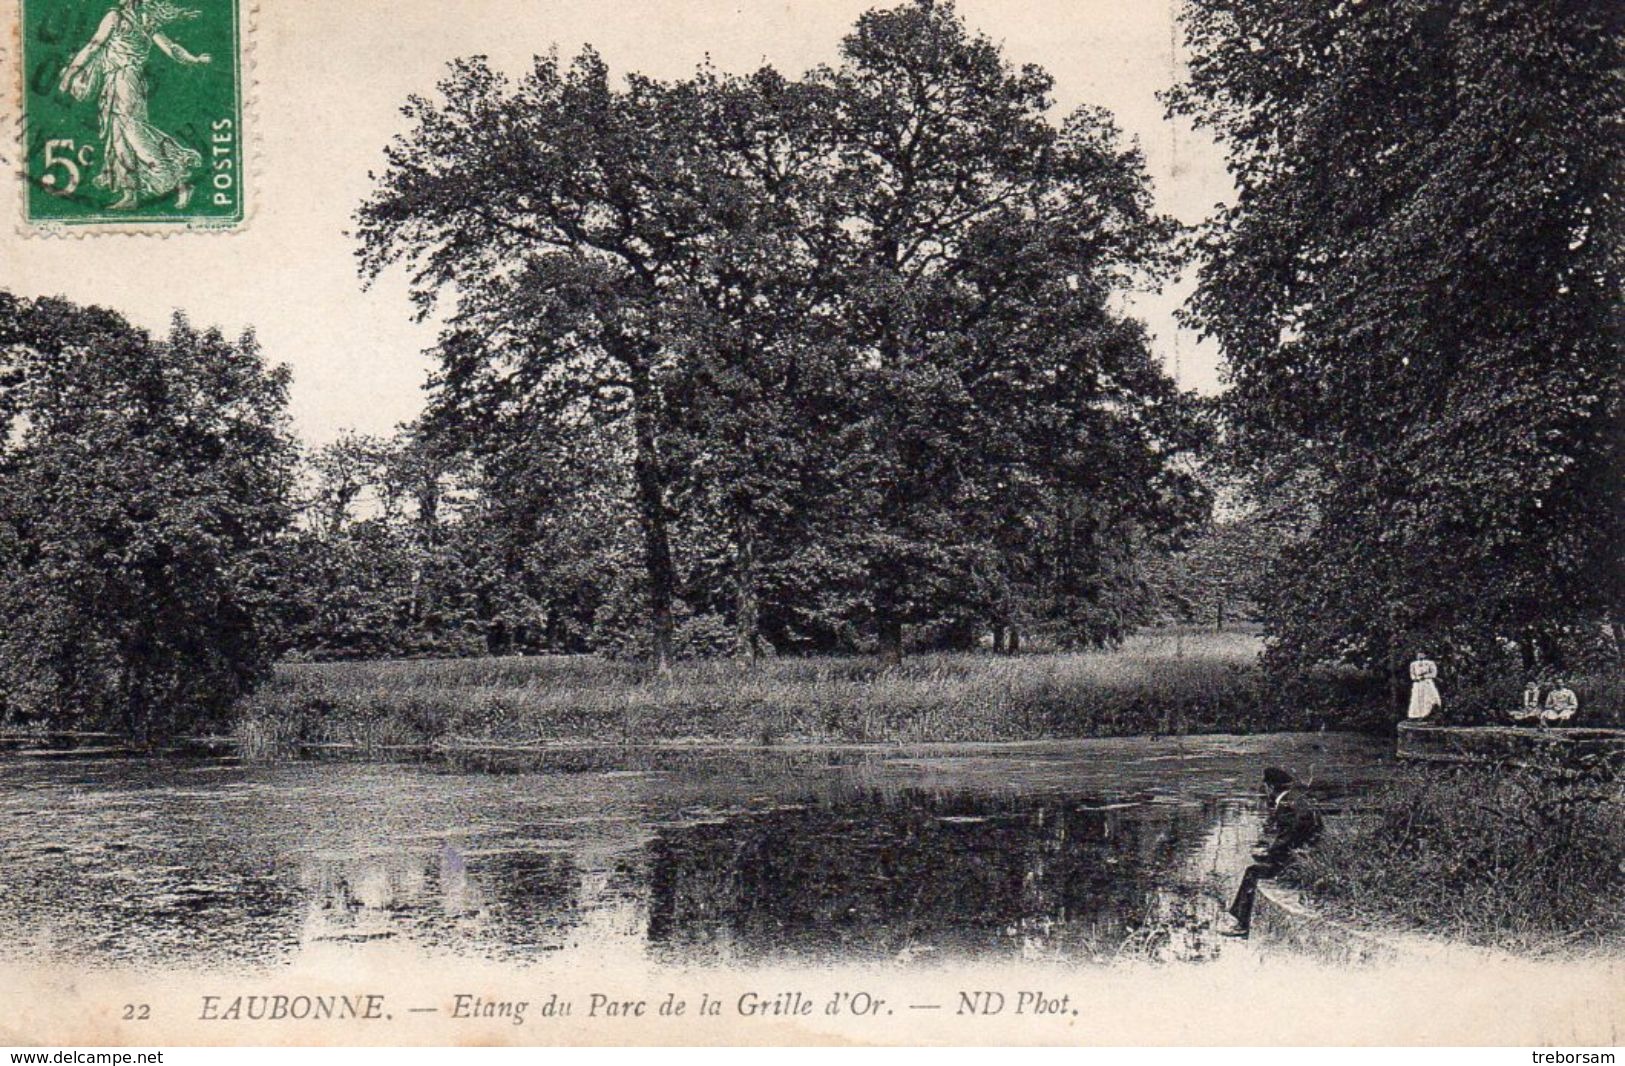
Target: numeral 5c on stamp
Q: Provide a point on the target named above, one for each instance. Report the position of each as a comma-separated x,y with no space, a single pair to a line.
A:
132,114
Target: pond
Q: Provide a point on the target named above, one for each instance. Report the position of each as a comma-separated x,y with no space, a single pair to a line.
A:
1078,852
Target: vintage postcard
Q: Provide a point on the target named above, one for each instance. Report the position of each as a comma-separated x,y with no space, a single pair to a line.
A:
771,522
132,114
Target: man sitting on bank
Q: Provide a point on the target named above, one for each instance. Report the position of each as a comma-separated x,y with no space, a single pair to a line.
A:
1294,822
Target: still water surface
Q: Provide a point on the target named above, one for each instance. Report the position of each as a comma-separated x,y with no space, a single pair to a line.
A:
1082,851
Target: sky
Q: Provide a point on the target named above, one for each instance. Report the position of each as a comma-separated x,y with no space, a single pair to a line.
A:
330,77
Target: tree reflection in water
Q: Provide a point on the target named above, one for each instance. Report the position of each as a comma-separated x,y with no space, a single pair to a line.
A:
505,904
1077,852
917,874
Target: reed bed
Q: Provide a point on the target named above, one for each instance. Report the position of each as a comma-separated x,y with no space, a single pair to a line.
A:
1160,682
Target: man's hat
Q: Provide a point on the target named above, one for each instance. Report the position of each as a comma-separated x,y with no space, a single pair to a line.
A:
1277,778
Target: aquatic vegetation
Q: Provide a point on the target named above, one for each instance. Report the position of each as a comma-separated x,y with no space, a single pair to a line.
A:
1163,682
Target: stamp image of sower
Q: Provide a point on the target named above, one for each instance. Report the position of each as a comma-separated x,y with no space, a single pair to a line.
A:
132,115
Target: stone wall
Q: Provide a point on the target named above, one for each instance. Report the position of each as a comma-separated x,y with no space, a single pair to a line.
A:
1529,747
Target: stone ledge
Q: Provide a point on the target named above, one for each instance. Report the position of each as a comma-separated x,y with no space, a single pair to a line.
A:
1283,921
1528,747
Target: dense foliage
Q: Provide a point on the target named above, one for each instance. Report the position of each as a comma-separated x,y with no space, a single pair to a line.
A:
1416,292
1495,857
142,485
842,353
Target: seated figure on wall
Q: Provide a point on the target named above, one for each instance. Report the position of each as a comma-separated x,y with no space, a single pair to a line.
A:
1561,703
1529,711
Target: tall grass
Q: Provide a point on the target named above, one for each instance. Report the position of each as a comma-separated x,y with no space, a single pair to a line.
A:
1167,681
1506,859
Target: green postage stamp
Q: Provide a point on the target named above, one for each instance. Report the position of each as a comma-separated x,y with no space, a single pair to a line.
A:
132,114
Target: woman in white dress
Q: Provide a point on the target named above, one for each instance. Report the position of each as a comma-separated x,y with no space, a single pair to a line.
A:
138,159
1424,693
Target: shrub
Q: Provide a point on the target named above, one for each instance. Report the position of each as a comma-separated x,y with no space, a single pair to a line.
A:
1500,858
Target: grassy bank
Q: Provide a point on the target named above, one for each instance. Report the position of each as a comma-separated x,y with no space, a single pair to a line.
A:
1168,681
1499,859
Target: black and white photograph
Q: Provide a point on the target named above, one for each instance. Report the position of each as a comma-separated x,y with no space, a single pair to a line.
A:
806,522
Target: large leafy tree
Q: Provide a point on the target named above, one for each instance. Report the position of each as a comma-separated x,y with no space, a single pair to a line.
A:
838,333
764,414
570,217
981,245
1416,292
142,485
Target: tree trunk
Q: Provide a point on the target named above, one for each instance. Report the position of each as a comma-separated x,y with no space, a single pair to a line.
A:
888,615
137,714
1015,641
885,581
885,574
890,630
998,638
962,634
652,519
745,609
